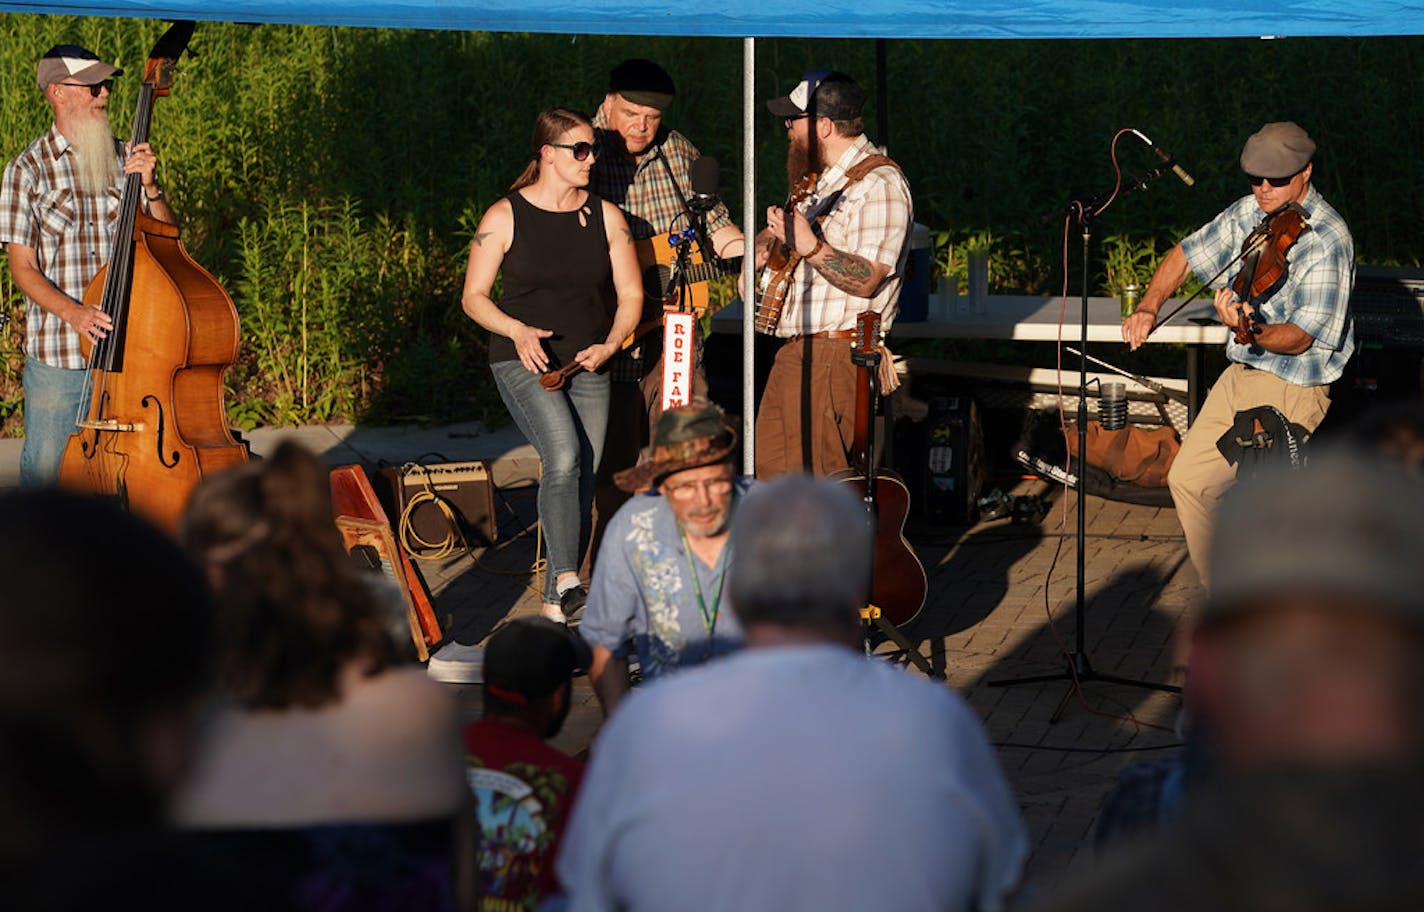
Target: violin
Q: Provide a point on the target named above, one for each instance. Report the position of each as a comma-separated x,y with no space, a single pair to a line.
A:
1264,265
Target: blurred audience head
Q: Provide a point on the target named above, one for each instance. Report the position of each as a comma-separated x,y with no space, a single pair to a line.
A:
1311,648
802,561
1394,431
293,610
104,653
528,674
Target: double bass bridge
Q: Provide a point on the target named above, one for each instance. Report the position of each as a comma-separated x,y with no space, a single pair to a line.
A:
111,424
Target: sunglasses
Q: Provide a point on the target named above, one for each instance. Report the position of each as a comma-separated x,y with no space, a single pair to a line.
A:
1277,182
581,150
94,89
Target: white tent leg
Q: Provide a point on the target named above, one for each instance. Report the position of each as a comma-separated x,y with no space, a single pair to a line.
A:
749,223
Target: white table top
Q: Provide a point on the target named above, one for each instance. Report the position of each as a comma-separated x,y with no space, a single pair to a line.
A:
1030,319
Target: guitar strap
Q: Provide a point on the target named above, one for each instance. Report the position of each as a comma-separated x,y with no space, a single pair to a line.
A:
888,379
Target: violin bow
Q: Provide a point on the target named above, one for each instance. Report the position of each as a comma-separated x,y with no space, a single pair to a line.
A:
1254,242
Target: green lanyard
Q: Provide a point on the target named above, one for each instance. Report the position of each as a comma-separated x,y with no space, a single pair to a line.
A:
709,620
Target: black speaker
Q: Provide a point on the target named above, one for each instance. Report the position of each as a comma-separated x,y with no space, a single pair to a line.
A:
941,457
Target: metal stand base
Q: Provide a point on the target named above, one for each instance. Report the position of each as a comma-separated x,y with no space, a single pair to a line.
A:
873,621
1080,671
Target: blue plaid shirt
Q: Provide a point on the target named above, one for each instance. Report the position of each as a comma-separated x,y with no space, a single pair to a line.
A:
1315,296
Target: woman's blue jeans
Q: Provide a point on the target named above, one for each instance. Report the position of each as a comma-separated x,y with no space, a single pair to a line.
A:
566,428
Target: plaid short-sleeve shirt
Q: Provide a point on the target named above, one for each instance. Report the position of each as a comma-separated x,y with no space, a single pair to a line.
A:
70,231
1315,296
643,189
870,218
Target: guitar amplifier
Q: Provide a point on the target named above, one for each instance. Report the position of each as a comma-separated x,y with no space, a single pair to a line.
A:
462,487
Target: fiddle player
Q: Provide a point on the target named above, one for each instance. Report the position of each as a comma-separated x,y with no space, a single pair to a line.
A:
852,260
59,204
1302,336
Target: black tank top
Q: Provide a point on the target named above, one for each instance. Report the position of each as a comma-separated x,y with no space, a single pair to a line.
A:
557,276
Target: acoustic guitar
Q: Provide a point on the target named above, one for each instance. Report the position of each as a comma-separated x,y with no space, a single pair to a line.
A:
657,259
898,584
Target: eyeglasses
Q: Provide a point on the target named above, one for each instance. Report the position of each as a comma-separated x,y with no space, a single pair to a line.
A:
715,487
792,120
94,89
581,150
1277,182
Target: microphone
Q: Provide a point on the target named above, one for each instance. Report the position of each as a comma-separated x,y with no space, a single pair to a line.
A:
1168,161
706,174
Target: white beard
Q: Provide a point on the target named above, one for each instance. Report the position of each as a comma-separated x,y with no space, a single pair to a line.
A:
94,162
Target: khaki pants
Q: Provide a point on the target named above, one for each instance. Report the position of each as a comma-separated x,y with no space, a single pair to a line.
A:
1200,475
806,422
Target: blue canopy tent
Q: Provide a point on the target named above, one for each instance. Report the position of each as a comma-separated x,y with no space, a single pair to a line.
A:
800,19
751,19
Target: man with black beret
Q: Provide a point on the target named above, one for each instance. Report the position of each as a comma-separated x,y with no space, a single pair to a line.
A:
1302,333
646,170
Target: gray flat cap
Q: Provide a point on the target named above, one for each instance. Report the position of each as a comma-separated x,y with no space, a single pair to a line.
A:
1277,150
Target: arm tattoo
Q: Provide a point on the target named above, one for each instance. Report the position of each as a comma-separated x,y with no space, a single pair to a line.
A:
845,271
628,235
480,237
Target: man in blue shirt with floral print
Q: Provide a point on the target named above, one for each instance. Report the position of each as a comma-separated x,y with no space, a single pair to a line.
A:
1302,334
657,586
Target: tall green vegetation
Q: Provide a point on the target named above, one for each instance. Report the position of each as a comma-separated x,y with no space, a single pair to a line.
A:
330,177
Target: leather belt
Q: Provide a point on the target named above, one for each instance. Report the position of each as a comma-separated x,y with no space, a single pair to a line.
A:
828,334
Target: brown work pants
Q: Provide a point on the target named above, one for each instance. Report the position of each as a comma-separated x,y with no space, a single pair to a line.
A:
806,422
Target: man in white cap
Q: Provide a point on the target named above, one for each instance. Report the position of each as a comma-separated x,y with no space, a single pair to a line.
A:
59,202
1301,335
850,237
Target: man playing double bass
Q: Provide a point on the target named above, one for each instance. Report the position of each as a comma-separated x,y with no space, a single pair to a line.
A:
59,204
1303,334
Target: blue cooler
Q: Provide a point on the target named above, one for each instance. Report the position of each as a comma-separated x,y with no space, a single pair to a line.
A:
915,291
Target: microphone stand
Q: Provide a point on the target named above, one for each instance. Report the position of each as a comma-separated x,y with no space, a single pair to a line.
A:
1080,668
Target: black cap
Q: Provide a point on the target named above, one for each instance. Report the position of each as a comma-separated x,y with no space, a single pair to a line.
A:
642,82
528,659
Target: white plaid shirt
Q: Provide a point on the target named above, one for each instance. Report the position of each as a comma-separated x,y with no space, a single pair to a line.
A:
871,219
1315,296
42,207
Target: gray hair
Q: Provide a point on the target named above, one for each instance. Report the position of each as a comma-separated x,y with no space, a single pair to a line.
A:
803,555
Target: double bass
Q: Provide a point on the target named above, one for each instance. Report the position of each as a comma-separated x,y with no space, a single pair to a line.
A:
152,423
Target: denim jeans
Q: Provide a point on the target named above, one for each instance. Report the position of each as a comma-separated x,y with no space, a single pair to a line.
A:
566,428
52,397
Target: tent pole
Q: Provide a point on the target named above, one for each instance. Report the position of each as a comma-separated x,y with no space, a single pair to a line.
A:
748,265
